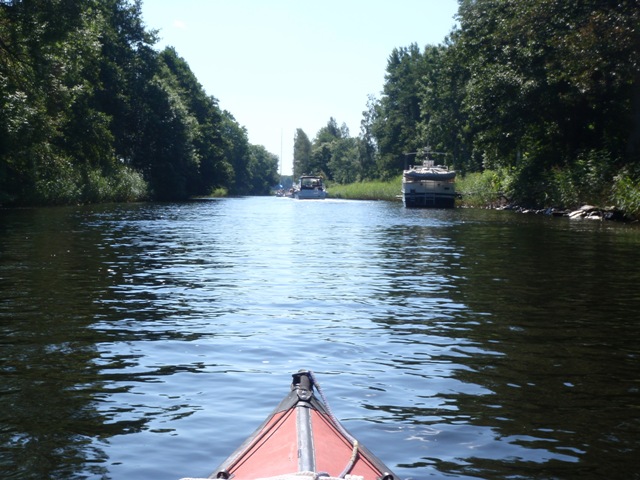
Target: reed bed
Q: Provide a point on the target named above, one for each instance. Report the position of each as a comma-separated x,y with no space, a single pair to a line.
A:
369,190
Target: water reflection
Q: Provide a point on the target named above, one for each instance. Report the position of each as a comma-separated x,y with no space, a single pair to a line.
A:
48,417
541,295
453,343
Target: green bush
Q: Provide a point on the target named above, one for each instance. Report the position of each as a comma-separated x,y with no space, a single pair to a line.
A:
124,185
97,188
56,182
480,189
562,191
129,185
626,194
63,185
219,192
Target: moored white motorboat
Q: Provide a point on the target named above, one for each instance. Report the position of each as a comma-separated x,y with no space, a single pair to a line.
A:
429,186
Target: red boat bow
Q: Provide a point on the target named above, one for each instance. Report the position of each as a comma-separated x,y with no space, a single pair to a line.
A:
302,439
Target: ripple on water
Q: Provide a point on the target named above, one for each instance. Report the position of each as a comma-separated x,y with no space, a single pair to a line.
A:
150,340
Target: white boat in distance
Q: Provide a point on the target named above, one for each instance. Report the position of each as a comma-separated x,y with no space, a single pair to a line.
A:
428,186
310,187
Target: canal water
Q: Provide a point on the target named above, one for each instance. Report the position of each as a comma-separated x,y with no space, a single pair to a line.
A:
147,341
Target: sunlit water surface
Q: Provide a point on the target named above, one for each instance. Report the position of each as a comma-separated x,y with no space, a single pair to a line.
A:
147,341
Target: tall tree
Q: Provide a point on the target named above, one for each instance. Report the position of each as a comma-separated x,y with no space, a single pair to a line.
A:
167,155
551,87
301,153
264,170
325,144
398,115
58,141
87,108
367,146
237,155
444,126
32,99
344,164
549,79
207,141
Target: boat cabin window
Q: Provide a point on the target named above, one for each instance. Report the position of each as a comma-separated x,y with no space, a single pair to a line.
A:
310,183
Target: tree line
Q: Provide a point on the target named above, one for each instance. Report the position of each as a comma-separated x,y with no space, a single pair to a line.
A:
542,96
539,97
90,112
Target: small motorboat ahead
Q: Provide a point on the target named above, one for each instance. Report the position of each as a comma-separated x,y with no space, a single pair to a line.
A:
302,439
310,187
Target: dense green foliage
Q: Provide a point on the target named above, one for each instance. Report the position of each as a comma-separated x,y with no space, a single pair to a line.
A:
542,94
539,97
91,113
333,153
549,94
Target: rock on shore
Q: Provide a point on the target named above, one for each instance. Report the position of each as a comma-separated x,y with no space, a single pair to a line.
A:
586,212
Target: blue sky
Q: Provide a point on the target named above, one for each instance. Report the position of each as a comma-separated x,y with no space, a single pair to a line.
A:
279,65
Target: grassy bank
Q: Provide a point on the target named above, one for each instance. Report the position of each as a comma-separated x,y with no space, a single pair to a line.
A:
558,189
374,190
477,190
493,188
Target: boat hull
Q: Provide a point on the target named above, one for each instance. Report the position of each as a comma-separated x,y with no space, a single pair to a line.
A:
315,194
428,195
301,435
429,186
